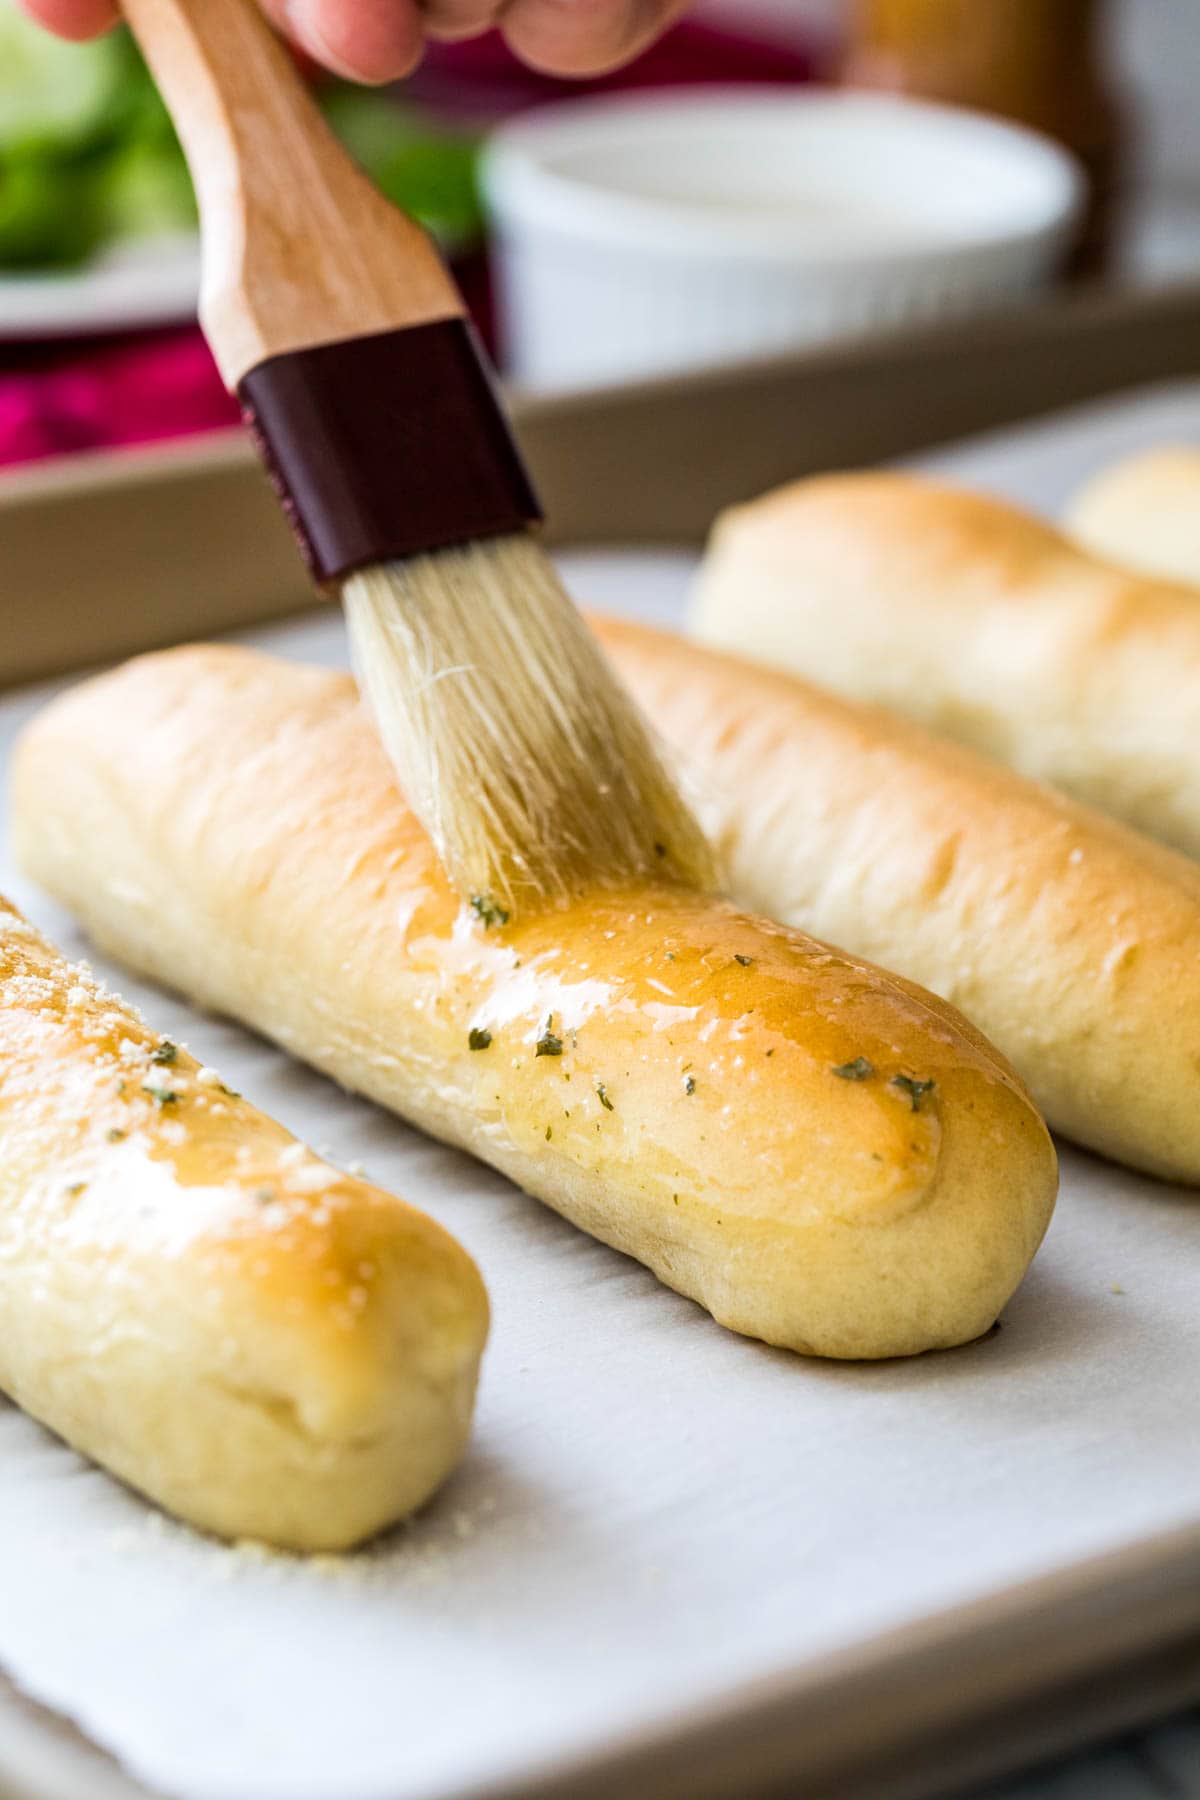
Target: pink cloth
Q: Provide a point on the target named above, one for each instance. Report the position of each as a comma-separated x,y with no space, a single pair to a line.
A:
481,80
134,391
57,399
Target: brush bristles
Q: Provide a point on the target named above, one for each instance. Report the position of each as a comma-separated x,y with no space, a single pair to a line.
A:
516,746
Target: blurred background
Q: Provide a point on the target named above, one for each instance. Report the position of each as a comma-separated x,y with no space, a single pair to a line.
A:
770,176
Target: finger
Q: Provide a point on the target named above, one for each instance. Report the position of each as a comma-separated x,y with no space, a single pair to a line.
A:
370,40
453,19
584,37
72,18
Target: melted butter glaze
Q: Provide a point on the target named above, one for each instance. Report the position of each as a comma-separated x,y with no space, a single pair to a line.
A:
117,1142
823,1155
714,1035
701,1012
325,783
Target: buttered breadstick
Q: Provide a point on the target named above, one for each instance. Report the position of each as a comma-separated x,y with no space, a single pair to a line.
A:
266,1347
822,1155
1072,941
978,621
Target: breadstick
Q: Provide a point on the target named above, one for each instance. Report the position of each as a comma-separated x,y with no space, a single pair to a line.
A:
1144,512
1070,940
978,621
819,1153
264,1346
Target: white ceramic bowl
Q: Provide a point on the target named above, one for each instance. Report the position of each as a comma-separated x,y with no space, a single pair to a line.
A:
663,231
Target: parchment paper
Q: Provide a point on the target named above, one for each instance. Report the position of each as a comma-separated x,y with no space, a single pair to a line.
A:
653,1512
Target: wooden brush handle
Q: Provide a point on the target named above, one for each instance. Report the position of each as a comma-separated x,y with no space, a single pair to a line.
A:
299,247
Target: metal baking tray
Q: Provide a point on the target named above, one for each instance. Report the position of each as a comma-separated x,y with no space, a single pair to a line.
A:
104,555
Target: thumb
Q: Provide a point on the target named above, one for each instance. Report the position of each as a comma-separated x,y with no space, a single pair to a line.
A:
567,37
72,18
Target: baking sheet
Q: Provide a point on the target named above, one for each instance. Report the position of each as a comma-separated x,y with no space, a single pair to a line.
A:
654,1515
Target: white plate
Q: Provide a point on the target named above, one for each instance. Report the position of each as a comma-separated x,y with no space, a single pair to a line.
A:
152,281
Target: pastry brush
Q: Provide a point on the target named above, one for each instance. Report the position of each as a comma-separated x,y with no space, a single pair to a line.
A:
335,322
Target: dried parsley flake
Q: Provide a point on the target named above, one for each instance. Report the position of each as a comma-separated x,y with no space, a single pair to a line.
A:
858,1070
916,1090
488,911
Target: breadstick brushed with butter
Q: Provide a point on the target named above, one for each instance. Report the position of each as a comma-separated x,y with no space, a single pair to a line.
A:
1144,512
264,1346
976,620
819,1153
1072,941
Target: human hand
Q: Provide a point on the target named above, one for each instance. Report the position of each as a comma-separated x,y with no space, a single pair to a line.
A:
380,40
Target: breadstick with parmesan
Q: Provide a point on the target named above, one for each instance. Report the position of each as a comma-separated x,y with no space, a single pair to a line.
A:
264,1346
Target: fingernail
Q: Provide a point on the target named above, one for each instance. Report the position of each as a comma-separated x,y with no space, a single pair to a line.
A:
304,25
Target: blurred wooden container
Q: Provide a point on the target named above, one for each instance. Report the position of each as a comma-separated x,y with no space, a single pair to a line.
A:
1036,61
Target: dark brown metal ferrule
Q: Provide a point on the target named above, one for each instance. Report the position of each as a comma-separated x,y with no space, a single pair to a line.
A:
387,445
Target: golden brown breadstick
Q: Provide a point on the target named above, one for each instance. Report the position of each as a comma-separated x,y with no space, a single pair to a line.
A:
266,1347
1072,941
978,621
821,1154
